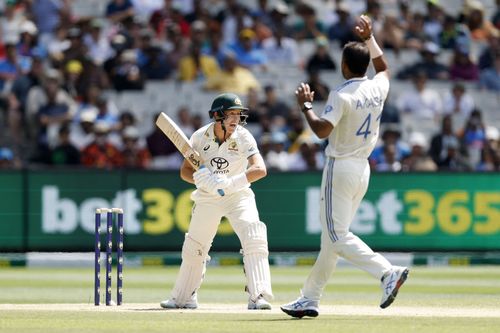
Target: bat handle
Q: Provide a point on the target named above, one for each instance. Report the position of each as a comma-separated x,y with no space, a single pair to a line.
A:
220,191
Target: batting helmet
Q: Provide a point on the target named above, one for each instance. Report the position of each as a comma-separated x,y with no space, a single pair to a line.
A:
224,102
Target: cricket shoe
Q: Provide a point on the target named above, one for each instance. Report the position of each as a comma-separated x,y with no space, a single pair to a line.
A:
259,304
301,307
391,282
172,304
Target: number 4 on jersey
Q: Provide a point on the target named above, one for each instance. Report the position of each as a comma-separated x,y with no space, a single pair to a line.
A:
364,129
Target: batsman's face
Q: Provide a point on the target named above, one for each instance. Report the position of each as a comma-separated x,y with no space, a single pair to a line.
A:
232,120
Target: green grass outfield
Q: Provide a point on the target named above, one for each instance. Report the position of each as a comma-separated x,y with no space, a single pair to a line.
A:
448,299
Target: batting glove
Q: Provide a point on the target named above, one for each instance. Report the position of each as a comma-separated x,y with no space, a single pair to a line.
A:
211,184
201,176
234,183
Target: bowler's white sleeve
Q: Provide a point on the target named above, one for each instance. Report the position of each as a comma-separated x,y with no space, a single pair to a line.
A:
333,109
382,82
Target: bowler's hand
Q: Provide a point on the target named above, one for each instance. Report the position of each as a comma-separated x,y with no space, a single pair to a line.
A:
304,94
364,27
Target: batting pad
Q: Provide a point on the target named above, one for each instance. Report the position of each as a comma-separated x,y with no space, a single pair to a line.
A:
255,261
192,271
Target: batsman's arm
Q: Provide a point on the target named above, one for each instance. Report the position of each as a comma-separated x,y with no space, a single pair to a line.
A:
187,172
256,168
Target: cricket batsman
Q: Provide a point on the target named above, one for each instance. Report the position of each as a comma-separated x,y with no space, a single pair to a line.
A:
232,162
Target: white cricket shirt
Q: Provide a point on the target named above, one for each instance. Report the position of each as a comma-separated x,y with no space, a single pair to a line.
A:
231,157
354,109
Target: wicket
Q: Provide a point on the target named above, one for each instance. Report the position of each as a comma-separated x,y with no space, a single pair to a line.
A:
109,260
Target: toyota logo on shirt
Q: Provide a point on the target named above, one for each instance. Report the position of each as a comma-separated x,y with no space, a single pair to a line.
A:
219,162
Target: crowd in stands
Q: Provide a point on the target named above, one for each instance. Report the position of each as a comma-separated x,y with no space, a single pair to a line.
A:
58,67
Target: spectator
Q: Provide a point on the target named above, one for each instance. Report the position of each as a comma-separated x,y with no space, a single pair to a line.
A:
197,121
73,83
107,112
127,76
453,33
492,148
199,36
99,47
272,105
58,44
415,35
197,66
119,10
405,15
390,162
156,66
11,21
27,46
321,59
342,30
421,101
255,111
198,13
490,78
8,160
307,158
473,137
51,116
232,78
445,149
178,46
433,24
246,51
134,156
418,159
38,97
262,14
12,66
391,136
462,67
118,126
390,112
392,35
277,158
184,121
18,96
308,27
82,129
320,88
160,19
65,153
100,153
163,152
428,64
297,132
234,19
279,16
280,49
480,27
49,14
458,101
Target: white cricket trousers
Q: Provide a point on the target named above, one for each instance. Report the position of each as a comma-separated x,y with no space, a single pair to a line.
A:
343,186
239,208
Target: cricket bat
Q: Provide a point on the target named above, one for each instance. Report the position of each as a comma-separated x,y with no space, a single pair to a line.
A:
181,142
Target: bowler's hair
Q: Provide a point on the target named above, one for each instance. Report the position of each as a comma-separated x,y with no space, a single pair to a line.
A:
357,57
